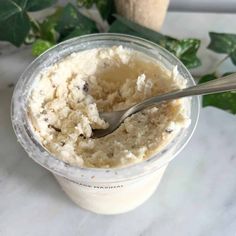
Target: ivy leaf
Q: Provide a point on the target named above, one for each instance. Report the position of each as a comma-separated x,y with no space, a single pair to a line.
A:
105,7
14,21
117,27
39,46
223,43
190,61
37,5
72,19
206,78
15,29
185,50
68,19
78,31
8,9
47,29
86,3
225,101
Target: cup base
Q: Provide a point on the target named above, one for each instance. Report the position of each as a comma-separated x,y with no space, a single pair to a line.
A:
112,199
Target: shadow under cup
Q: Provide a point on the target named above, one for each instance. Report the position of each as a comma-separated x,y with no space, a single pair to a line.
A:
104,191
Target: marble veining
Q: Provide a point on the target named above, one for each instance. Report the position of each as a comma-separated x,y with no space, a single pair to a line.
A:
195,198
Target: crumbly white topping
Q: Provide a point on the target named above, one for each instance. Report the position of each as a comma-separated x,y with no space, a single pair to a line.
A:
66,98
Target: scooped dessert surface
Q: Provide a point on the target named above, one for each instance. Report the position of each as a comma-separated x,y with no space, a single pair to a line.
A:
66,99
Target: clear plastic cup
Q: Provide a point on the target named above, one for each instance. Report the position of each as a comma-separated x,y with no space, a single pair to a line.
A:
103,191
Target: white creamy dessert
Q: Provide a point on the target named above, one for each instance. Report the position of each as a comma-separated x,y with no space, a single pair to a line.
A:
66,99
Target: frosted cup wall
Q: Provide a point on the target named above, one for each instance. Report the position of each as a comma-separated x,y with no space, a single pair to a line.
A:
104,191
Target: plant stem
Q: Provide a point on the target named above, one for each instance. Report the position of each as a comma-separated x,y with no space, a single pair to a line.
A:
34,22
215,71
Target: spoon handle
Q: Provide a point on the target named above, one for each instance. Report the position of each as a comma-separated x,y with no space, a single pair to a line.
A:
223,84
226,83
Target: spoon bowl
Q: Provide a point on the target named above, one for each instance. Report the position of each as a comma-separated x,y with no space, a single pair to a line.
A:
115,118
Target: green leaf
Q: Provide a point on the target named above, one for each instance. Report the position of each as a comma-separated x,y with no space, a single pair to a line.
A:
140,30
185,50
14,21
118,27
223,43
86,3
71,19
15,28
68,19
78,31
225,101
8,9
47,29
39,46
105,7
36,5
190,61
207,78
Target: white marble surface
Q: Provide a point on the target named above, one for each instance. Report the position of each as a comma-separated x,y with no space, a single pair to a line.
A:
197,196
203,5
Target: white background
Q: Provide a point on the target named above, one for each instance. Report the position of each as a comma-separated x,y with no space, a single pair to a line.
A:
203,5
196,197
197,5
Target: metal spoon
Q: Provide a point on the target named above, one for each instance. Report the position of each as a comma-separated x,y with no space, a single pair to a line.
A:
115,118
